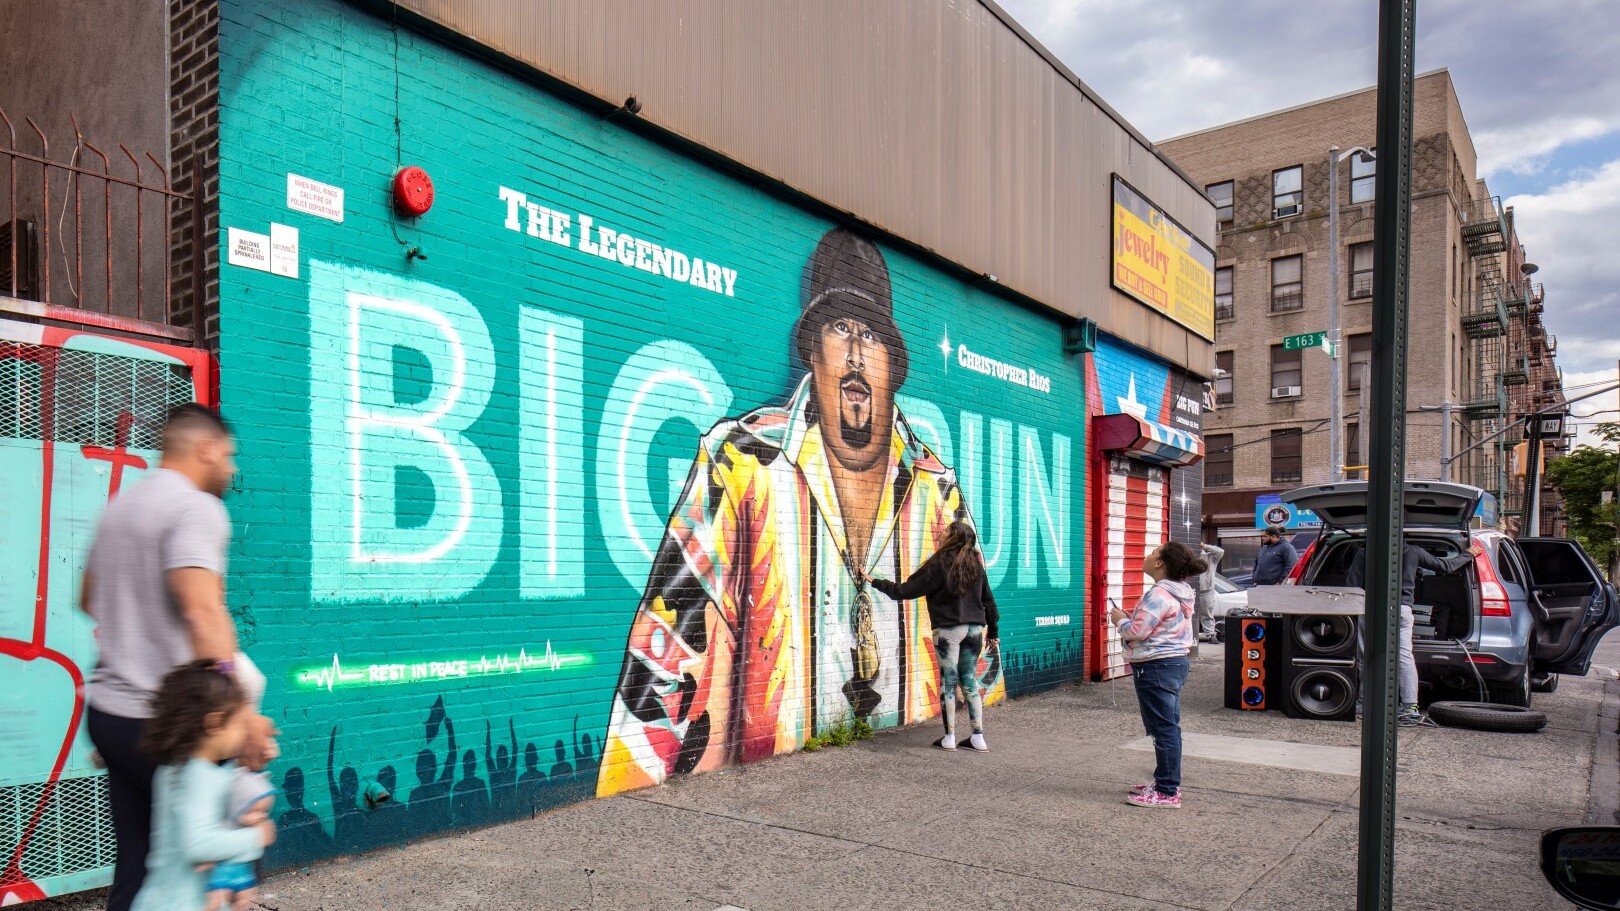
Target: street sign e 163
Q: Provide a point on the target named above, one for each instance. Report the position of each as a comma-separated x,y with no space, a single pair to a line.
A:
1308,340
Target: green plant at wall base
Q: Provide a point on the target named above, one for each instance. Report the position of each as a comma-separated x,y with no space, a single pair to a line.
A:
842,734
1581,478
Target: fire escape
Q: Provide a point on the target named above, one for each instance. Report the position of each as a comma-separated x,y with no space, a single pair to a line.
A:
1486,323
1513,370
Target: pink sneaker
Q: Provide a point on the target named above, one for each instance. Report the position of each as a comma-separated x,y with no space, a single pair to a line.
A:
1151,798
1142,788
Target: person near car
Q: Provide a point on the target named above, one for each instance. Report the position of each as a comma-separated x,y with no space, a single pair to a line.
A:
1157,637
1205,603
1277,557
1413,558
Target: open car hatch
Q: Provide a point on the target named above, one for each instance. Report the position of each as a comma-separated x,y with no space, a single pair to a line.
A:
1427,504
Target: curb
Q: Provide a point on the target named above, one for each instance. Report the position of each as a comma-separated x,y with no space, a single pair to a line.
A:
1603,800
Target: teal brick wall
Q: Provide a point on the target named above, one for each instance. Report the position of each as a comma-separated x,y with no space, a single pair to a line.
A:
542,515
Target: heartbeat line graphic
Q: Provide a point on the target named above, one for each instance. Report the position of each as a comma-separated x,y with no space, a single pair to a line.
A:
336,675
328,677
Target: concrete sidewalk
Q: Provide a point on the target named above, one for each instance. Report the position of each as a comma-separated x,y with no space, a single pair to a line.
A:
1269,821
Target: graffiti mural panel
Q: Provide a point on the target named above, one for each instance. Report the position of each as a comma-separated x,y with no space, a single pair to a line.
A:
80,416
573,483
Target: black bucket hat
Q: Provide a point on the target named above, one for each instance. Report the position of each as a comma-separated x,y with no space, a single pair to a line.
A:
847,277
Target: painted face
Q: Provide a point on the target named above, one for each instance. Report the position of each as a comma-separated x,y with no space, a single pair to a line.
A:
853,388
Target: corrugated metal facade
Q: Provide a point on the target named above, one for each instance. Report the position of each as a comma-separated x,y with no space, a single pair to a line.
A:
940,122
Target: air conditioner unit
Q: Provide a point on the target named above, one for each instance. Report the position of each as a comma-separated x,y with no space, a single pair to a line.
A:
1285,211
1284,392
19,244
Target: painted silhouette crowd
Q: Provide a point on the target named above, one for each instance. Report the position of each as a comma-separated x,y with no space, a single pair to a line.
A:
1029,672
503,787
361,819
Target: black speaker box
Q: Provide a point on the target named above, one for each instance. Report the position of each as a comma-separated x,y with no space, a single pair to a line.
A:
1316,666
1251,662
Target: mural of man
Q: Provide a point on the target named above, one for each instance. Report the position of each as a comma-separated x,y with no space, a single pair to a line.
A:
753,633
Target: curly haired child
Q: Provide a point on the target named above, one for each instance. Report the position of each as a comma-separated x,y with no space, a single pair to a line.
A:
200,719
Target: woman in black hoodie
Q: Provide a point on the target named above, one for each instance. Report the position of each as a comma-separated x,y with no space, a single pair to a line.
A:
963,614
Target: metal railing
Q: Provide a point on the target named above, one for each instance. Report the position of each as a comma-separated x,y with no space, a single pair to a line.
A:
1481,214
1286,301
1483,227
1486,315
87,238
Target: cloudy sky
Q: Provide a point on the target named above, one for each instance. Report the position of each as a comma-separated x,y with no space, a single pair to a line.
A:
1539,84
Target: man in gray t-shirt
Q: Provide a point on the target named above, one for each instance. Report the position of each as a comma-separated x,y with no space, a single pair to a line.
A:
155,585
163,524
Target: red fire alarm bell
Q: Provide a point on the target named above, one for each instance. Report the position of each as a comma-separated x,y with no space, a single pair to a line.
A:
413,191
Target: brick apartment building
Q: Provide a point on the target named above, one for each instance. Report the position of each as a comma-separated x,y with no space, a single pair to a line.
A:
1478,353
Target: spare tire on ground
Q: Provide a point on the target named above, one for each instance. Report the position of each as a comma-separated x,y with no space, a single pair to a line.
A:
1488,716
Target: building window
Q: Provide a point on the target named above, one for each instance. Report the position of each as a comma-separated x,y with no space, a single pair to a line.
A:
1287,283
1352,446
1361,279
1223,384
1288,191
1360,355
1287,372
1457,276
1223,293
1287,456
1457,367
1218,460
1363,177
1221,195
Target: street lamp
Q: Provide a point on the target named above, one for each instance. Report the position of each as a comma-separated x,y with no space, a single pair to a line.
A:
1335,382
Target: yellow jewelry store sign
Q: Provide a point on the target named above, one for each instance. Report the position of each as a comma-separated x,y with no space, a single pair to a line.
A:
1160,263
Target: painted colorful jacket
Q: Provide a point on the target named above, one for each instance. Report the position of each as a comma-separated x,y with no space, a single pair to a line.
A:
750,635
1161,624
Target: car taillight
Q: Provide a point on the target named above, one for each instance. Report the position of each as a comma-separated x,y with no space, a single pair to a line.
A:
1298,572
1493,597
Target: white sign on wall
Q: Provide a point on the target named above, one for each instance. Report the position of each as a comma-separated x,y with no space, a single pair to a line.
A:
319,199
248,249
284,250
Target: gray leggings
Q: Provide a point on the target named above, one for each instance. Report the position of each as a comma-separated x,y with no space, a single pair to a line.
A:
958,649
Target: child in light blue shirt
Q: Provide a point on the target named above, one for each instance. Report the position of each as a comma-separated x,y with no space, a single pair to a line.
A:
200,719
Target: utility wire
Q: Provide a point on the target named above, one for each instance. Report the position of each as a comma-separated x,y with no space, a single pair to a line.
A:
1316,428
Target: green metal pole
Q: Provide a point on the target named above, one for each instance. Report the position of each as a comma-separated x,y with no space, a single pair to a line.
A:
1375,880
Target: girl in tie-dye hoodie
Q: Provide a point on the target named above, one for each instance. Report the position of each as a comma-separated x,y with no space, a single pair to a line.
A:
1157,635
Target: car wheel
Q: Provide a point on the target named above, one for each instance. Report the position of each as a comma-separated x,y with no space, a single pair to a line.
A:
1544,683
1488,716
1515,692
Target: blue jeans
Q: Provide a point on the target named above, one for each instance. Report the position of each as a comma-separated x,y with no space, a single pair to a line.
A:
1158,693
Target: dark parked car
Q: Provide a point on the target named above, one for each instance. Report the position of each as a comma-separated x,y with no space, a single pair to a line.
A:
1525,611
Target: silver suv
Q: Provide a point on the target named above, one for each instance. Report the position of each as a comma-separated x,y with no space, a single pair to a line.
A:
1525,611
